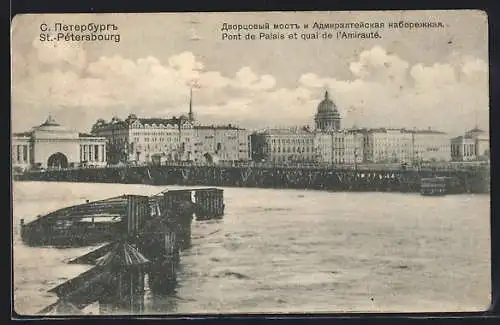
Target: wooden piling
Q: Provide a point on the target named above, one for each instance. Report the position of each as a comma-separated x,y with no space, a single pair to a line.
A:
162,275
210,202
138,211
180,207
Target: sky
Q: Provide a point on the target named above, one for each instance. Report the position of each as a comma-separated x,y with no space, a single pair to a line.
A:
413,78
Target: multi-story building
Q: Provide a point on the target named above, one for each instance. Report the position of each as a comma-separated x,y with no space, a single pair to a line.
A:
463,148
482,142
483,147
339,147
284,145
51,145
430,145
405,146
147,140
142,139
223,143
353,146
387,146
474,145
333,145
324,148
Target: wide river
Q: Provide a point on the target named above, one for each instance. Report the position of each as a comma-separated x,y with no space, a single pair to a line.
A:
289,251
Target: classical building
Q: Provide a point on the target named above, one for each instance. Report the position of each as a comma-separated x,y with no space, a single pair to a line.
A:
50,145
330,147
159,140
430,145
463,148
482,142
327,117
329,144
284,145
405,146
141,140
474,145
384,145
353,146
222,143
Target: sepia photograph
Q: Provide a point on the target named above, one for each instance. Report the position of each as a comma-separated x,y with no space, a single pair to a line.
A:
270,162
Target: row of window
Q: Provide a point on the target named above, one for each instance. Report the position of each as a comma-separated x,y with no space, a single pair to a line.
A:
291,141
156,133
292,149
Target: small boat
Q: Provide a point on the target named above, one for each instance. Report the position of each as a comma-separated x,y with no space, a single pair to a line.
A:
439,186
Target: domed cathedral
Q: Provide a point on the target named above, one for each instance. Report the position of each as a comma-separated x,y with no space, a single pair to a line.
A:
328,117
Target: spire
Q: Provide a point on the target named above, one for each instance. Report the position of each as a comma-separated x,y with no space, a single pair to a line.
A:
191,115
50,120
326,95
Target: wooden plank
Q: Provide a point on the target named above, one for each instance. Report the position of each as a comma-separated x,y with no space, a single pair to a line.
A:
91,258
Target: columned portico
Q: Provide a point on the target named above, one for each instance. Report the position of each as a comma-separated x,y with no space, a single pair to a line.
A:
50,145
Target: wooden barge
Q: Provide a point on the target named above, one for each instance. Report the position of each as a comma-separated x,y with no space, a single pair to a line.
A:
104,220
150,236
439,186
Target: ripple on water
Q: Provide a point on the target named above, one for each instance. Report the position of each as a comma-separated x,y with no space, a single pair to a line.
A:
277,252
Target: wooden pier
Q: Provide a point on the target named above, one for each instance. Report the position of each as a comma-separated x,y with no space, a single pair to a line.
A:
146,244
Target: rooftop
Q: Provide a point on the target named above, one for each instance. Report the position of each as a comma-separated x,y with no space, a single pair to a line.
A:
225,127
22,134
87,135
297,130
476,130
404,130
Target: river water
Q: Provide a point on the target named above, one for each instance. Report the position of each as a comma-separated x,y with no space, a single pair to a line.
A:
289,251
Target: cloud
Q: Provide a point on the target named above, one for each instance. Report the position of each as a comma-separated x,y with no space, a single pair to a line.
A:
54,53
247,79
386,91
433,77
377,65
383,90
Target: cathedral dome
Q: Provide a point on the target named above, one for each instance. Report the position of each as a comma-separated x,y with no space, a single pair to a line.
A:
327,117
326,105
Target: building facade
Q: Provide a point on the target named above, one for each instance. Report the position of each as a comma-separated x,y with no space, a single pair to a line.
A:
153,140
222,143
284,145
463,148
354,146
50,145
405,146
474,145
339,147
333,145
430,146
387,146
482,142
141,140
